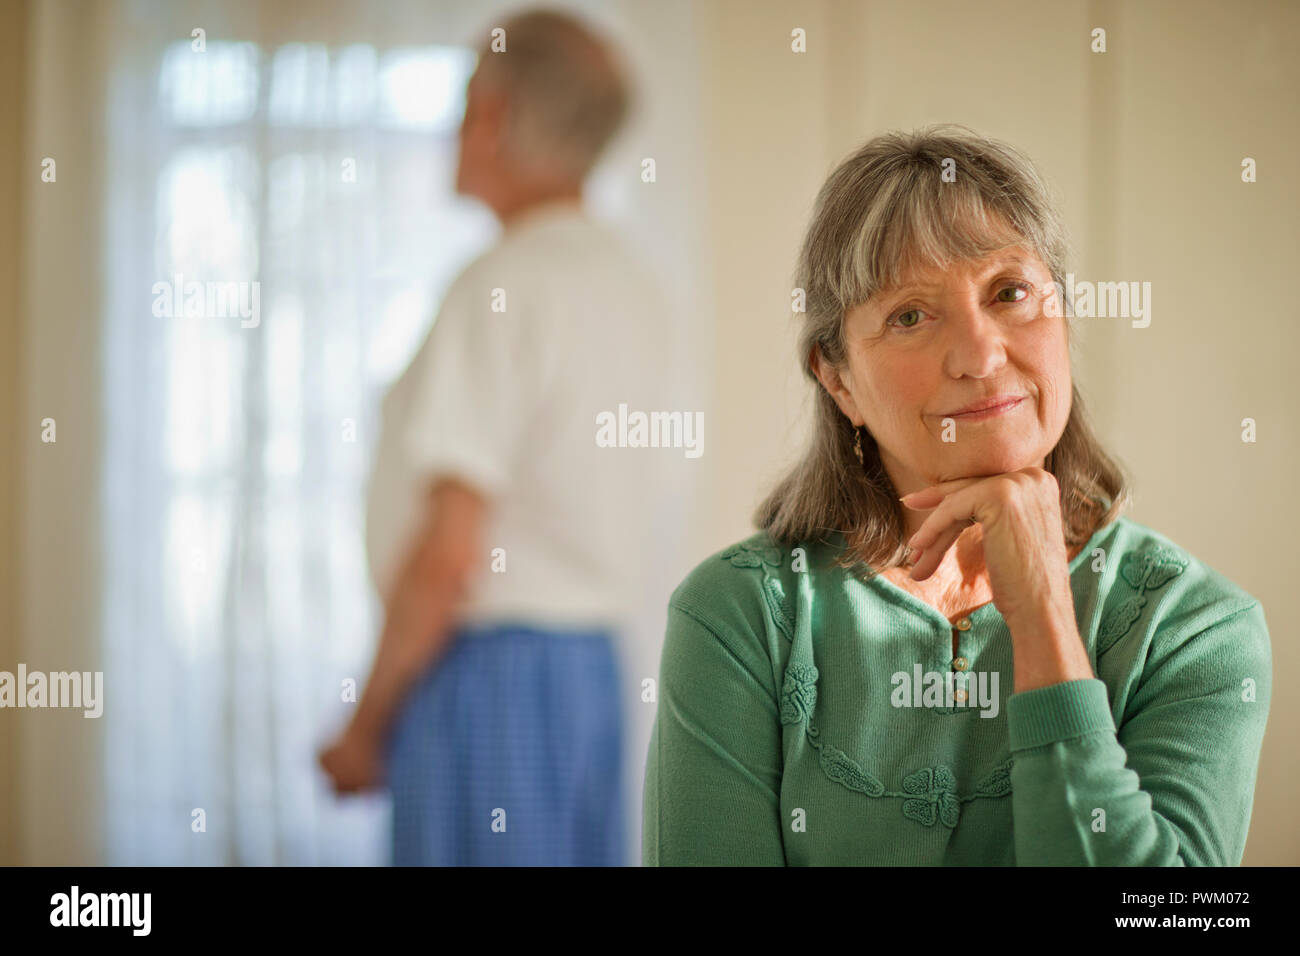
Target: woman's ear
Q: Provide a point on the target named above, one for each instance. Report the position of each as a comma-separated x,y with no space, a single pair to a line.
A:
833,381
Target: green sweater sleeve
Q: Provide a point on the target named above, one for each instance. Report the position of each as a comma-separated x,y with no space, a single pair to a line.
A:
1171,786
713,773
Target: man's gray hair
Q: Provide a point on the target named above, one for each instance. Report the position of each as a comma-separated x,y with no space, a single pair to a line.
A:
566,92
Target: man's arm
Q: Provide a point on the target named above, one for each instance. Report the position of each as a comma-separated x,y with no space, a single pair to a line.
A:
418,620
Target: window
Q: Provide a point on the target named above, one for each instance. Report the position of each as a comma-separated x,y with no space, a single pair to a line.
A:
281,227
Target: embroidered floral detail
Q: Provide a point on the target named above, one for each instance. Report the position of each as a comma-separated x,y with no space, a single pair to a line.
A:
748,556
765,558
997,783
843,770
775,597
1144,570
1151,568
936,797
798,693
929,794
1118,621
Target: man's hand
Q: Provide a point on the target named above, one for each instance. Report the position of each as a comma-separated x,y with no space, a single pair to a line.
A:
419,621
354,762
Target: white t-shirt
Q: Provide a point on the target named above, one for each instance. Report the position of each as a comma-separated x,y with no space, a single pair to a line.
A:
508,400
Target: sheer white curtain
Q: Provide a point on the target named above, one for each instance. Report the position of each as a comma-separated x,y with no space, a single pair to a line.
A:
237,600
310,164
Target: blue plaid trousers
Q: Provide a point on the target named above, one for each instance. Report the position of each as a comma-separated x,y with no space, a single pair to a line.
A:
508,752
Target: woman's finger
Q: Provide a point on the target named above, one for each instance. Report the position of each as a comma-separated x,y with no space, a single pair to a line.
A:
941,528
955,509
927,498
932,555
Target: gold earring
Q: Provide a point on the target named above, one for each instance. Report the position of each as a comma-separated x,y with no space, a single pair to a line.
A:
857,443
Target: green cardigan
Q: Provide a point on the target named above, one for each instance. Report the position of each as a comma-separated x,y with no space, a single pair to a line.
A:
809,717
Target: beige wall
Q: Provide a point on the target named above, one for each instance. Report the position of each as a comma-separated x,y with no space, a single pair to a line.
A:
60,774
1200,91
13,81
1144,143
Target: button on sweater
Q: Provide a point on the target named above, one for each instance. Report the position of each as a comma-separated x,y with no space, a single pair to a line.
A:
809,715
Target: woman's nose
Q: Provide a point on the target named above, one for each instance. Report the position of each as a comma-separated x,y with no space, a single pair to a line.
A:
974,342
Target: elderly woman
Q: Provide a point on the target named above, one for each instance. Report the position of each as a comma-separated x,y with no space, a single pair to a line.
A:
946,645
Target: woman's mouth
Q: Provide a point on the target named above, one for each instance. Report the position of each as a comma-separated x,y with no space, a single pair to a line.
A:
989,411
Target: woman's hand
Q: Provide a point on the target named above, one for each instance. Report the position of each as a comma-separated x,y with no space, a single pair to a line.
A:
1025,555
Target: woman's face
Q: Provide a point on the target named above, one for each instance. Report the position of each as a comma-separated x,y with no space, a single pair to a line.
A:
948,338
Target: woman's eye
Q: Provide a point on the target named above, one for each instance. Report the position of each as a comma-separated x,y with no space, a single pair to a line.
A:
1012,293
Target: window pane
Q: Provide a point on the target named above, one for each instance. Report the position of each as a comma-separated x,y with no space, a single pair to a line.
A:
424,87
300,86
213,87
207,226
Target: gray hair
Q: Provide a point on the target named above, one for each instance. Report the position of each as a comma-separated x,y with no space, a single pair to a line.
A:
883,211
565,89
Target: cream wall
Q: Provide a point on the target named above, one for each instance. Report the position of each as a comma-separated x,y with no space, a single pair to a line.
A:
1144,144
1201,90
59,781
13,65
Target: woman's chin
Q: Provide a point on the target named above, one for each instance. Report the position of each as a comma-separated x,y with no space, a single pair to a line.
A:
994,462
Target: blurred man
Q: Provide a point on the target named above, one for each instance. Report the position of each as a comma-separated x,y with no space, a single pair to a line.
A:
505,542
